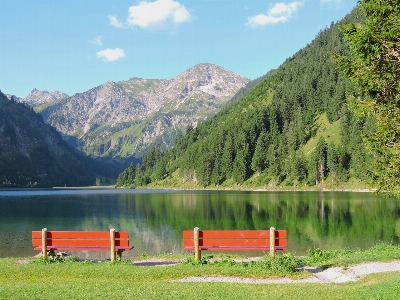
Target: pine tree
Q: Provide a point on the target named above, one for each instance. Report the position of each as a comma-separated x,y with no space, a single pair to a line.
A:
374,67
228,157
241,165
333,162
318,162
259,161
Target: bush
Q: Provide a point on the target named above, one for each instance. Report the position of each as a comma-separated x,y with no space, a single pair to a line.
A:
285,263
282,263
319,258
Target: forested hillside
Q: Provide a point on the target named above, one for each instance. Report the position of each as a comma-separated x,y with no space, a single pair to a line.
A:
291,128
33,154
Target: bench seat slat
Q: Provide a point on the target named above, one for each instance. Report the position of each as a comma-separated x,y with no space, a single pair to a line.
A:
234,242
232,234
80,242
80,235
235,248
75,248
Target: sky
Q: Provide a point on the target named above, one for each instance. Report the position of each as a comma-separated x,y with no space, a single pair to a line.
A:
74,45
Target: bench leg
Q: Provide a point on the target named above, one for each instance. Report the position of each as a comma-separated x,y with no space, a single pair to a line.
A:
272,242
197,250
44,243
119,255
112,240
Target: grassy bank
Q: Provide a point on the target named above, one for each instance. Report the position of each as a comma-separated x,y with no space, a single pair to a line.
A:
260,182
31,278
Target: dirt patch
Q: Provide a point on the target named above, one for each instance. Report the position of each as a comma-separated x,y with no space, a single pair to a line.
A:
23,261
155,262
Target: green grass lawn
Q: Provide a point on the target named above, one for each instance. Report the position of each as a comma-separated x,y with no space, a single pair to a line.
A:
123,280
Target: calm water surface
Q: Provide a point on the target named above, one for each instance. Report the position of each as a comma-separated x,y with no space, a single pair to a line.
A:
155,218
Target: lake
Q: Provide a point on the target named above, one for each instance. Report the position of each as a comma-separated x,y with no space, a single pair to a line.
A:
155,218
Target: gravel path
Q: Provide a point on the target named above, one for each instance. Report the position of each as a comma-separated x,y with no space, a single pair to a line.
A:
353,273
330,275
244,280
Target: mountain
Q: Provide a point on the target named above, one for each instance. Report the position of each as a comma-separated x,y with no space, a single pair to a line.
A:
290,128
32,154
122,120
12,97
37,97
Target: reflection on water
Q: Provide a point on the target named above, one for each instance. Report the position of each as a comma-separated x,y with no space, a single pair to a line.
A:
155,218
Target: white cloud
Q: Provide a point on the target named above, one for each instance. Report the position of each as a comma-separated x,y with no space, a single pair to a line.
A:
111,54
97,41
114,22
278,13
157,14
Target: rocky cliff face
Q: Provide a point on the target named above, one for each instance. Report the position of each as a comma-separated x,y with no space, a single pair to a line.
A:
123,119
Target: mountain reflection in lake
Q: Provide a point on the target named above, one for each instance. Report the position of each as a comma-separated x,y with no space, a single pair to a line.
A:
155,218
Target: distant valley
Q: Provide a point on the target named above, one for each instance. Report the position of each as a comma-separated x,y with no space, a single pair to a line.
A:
121,121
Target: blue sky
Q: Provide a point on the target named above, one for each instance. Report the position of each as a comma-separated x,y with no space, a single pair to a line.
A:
74,45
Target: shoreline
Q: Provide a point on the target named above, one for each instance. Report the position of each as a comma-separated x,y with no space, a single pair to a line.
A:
256,189
194,189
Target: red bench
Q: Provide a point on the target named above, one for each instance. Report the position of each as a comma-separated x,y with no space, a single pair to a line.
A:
114,241
234,240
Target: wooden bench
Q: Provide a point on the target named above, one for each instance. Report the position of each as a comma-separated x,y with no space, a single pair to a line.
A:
114,241
234,240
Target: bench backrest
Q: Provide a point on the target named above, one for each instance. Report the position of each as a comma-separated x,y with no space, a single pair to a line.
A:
235,238
81,238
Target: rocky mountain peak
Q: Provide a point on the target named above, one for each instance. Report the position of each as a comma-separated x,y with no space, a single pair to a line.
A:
205,72
209,79
37,97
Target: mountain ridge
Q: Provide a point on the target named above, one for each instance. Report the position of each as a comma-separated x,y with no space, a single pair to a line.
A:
155,109
33,154
37,97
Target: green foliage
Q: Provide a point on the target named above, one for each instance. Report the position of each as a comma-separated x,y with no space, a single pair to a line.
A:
281,264
259,161
56,259
205,259
153,168
318,169
127,177
338,163
374,67
296,168
319,258
374,62
343,257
